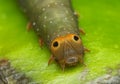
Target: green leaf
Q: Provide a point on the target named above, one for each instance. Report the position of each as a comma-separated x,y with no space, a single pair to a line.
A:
101,22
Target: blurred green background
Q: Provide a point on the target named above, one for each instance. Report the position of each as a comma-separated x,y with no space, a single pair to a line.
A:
99,18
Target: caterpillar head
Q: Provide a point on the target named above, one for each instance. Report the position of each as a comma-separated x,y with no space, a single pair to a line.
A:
67,50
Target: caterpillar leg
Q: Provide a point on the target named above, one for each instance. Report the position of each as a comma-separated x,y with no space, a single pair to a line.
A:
29,26
41,42
62,66
82,31
87,50
51,59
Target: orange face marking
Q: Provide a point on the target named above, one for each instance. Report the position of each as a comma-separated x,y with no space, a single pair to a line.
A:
69,37
67,50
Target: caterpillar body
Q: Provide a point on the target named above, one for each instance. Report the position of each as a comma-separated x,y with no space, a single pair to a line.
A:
55,22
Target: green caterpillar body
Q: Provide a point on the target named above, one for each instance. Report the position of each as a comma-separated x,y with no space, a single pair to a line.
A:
55,22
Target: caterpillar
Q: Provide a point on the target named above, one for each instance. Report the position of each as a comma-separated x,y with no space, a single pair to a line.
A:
8,74
55,22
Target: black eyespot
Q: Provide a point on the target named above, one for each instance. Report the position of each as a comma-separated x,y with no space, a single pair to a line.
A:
55,44
76,38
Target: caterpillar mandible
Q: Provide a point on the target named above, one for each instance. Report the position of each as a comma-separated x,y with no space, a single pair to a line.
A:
55,22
